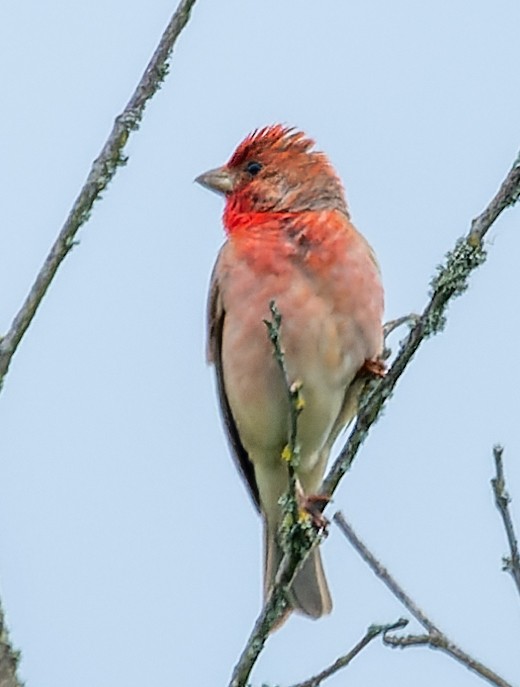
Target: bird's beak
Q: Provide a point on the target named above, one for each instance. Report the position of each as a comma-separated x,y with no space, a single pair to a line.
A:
219,180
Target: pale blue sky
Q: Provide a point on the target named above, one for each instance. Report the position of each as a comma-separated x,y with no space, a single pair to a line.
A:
129,551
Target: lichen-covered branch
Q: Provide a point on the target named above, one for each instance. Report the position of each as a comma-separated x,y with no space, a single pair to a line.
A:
502,501
298,536
343,661
291,452
9,658
451,281
101,173
272,611
434,638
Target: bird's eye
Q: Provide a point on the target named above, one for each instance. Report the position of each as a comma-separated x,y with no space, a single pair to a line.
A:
253,168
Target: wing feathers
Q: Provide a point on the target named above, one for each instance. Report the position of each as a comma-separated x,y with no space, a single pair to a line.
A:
216,318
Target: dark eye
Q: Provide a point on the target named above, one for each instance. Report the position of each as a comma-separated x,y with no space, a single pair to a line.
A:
253,167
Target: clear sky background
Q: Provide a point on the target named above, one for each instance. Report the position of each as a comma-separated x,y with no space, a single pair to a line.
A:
129,551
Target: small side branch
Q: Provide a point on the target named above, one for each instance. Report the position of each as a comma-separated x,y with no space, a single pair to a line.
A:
343,661
434,638
390,326
502,501
101,173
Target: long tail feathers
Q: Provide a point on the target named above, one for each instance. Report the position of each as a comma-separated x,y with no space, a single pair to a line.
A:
310,593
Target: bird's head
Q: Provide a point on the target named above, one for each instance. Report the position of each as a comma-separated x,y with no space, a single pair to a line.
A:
275,170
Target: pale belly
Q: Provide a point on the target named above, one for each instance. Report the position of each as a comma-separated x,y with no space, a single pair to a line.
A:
319,351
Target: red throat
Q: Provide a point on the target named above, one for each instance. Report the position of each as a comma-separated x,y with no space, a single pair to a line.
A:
237,219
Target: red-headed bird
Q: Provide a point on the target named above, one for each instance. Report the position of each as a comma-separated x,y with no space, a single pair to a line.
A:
289,240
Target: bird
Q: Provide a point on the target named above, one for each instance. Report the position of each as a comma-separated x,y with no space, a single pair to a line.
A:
289,241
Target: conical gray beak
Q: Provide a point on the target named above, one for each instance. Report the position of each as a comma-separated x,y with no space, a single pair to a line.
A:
219,180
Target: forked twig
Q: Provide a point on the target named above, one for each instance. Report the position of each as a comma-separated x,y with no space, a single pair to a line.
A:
434,638
343,661
502,501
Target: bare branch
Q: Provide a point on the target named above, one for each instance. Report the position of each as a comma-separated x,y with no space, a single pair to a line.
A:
502,500
407,640
507,194
9,658
101,173
383,573
440,641
372,632
435,637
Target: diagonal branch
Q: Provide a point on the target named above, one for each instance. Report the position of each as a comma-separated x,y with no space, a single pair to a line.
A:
383,574
508,194
343,661
502,500
101,173
440,641
435,637
274,608
450,281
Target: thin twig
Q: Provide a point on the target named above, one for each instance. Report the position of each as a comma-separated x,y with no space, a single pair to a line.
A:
435,637
298,537
383,573
502,500
101,173
390,326
291,452
450,281
440,641
9,658
508,194
372,632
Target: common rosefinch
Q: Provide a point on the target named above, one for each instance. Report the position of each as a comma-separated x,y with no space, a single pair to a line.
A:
289,240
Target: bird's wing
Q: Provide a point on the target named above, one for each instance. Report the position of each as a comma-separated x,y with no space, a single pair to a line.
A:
215,322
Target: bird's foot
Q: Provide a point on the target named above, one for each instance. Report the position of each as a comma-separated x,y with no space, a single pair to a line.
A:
375,367
312,506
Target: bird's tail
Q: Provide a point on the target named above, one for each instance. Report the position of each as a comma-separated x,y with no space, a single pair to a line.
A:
310,593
